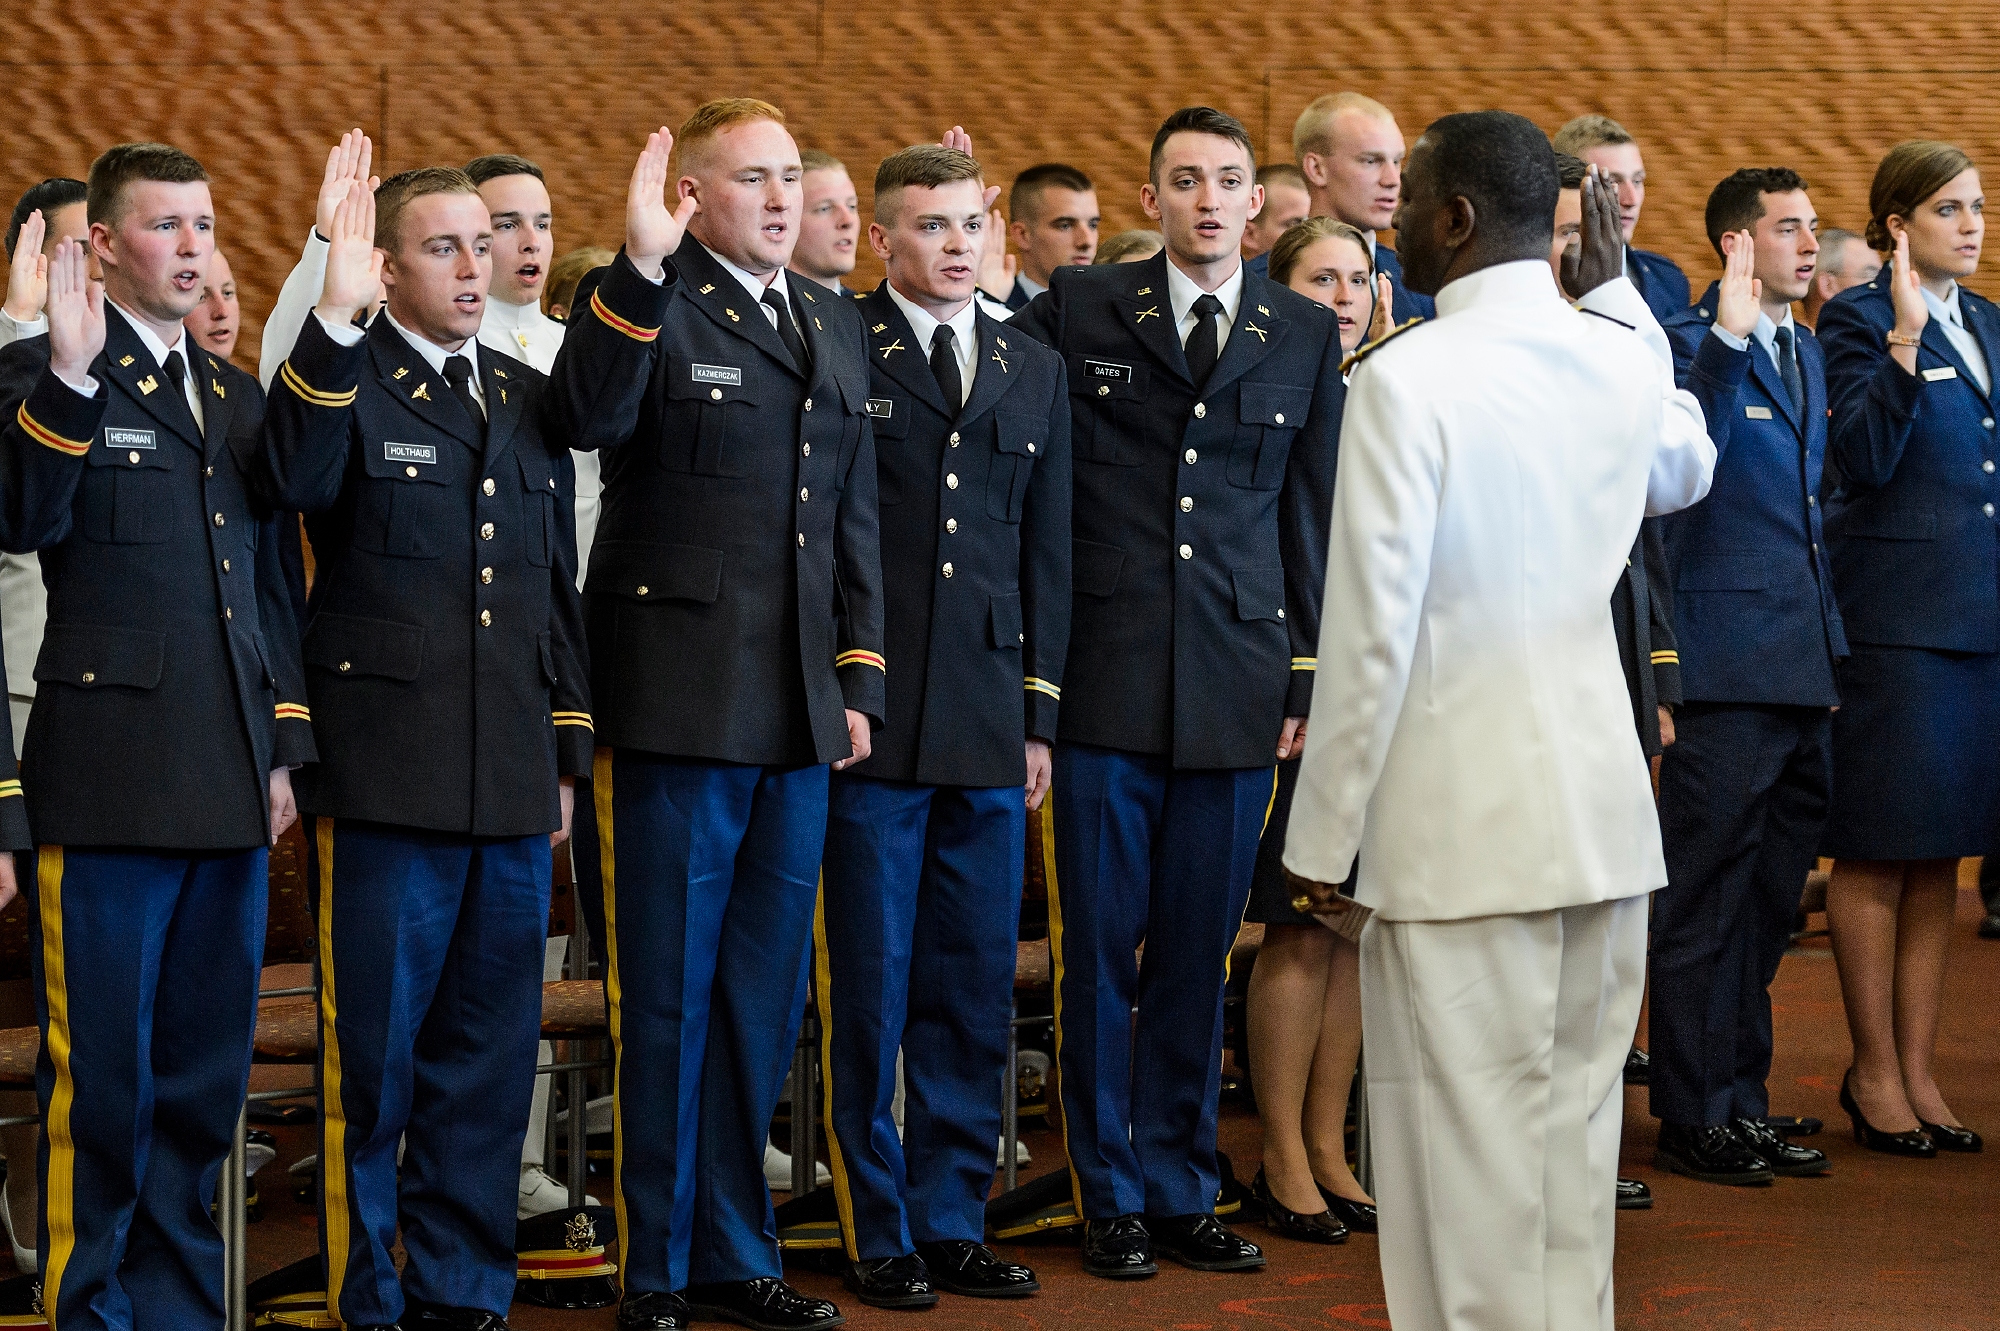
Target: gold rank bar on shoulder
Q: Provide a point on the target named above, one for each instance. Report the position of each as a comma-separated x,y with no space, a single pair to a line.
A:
1362,352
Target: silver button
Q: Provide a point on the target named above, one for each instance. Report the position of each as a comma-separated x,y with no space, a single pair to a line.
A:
1987,509
485,531
218,519
486,619
642,589
486,488
1815,547
1200,410
802,540
411,472
954,439
951,480
1104,390
1190,456
1279,418
809,404
133,457
804,494
1187,503
951,526
1812,501
1988,422
806,449
486,575
947,569
1987,466
1187,552
1031,445
715,394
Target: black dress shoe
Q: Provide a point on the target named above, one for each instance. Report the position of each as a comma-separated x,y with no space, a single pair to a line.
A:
1357,1216
1948,1138
1793,1125
891,1282
960,1266
1783,1157
1118,1248
1638,1067
1711,1154
1318,1227
764,1304
1990,926
1634,1195
1204,1243
654,1311
419,1316
1916,1145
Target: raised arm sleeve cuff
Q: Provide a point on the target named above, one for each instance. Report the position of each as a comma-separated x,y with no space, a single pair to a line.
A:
628,302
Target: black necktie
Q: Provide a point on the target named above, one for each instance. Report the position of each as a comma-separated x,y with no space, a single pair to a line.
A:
788,332
944,364
1202,347
1788,370
458,373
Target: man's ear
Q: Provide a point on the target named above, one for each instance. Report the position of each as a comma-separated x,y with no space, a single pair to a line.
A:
1461,220
1314,168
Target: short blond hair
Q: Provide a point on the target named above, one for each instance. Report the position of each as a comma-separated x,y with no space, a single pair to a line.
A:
1591,131
711,118
1313,131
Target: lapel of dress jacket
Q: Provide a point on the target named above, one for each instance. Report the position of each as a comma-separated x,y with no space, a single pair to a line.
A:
1252,337
506,396
407,377
1143,308
893,349
129,364
1939,344
1765,371
997,368
216,405
1812,370
812,306
1985,325
717,294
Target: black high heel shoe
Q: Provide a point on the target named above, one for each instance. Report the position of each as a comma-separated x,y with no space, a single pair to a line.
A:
1948,1138
1913,1144
1280,1219
1357,1216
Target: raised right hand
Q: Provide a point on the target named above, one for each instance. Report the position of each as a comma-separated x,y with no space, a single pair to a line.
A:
1738,303
353,264
652,232
28,276
346,163
76,313
1906,292
996,266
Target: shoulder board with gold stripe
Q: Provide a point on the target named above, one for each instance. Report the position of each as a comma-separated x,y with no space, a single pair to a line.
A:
1367,349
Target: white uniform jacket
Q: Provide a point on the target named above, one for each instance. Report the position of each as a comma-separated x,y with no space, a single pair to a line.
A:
1471,732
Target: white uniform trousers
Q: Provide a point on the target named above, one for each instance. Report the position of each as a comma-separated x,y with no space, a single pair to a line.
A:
1495,1057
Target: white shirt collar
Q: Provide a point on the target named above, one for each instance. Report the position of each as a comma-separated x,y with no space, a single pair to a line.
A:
521,331
1766,332
1029,285
151,339
752,283
1182,292
435,355
1947,308
1523,282
964,333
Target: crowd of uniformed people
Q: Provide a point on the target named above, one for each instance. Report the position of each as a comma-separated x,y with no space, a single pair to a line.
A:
767,596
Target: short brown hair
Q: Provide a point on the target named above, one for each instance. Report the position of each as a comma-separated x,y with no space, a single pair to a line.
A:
394,194
926,166
567,272
1300,236
819,159
1027,189
1587,132
1126,244
117,169
711,118
1913,171
1281,173
495,165
1312,132
1199,120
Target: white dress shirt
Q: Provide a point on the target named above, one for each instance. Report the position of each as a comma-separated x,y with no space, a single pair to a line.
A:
158,350
757,286
1182,293
20,330
964,336
521,331
1947,314
434,355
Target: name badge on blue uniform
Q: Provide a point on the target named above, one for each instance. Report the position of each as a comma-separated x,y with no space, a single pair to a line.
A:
881,408
1936,373
1104,369
1757,413
424,453
719,374
116,438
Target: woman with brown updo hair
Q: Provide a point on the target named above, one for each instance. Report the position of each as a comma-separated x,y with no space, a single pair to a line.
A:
1912,492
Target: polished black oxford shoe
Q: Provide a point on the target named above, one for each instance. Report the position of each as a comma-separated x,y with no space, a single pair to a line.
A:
1118,1248
891,1282
1204,1243
1786,1158
1711,1154
1634,1195
764,1304
654,1311
958,1266
1638,1067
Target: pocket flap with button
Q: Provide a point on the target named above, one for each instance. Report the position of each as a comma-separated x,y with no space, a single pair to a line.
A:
853,392
1281,406
1094,568
351,645
645,572
538,473
1260,592
96,655
1724,573
1021,433
1006,619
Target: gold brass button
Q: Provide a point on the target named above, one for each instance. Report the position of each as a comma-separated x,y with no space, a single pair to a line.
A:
1279,418
947,569
715,394
1281,612
411,472
485,531
802,540
1187,552
954,439
552,482
1200,410
1187,503
225,566
218,519
642,589
206,471
951,526
951,480
133,457
486,575
227,613
809,404
1031,445
806,449
486,619
486,488
1190,456
345,666
1104,390
804,494
90,676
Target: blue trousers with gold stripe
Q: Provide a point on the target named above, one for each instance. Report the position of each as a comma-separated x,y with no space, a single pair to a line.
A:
1138,841
919,912
710,871
430,1013
146,967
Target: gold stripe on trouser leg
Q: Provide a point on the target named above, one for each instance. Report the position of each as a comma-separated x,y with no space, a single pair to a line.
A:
61,1196
1269,805
823,996
1047,814
607,877
333,1170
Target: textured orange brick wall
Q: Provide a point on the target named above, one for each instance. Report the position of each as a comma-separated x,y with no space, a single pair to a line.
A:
259,89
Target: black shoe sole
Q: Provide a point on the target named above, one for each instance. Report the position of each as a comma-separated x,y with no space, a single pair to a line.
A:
1820,1170
912,1302
1673,1165
987,1292
1122,1272
704,1312
1234,1264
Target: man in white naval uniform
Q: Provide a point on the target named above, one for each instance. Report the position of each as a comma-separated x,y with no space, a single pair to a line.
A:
1472,739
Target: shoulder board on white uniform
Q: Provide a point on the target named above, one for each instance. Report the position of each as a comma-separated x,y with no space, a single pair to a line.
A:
1368,349
1630,328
